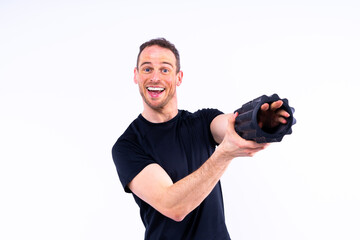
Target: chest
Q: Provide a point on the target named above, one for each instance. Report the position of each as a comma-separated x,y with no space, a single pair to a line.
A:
179,149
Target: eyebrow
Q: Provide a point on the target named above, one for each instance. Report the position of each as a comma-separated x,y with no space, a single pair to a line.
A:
161,63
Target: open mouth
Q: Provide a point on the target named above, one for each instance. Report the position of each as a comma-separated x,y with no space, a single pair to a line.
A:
155,91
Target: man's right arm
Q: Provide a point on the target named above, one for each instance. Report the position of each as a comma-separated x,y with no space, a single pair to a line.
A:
176,200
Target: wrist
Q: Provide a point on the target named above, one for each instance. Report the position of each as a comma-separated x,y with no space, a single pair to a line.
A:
221,155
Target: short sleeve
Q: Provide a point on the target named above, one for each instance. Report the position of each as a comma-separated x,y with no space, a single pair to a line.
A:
208,116
129,159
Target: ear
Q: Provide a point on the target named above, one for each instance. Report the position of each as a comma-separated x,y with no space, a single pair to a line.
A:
179,78
136,74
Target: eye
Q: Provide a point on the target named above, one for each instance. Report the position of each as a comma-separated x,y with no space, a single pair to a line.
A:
165,70
147,70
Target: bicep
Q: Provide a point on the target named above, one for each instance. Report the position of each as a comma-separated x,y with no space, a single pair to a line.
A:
218,127
151,184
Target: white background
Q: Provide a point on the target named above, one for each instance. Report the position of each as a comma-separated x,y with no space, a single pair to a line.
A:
67,94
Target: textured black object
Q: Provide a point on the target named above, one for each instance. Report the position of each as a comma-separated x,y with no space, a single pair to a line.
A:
246,124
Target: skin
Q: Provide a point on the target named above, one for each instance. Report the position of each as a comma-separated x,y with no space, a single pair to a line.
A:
153,185
157,68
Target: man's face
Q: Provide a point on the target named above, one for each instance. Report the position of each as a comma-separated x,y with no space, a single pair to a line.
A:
156,76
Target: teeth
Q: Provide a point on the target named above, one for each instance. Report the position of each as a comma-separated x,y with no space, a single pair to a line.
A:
155,89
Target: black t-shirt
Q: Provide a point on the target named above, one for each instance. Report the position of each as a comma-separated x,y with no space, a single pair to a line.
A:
180,146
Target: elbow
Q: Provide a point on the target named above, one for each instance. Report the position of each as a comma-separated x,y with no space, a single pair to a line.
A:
176,214
174,208
177,217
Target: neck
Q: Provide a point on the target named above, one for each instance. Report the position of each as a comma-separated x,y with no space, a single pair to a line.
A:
159,115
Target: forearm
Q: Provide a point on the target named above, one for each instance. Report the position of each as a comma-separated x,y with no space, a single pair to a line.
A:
185,195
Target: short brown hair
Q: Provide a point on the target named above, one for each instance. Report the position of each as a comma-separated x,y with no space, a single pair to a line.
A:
161,42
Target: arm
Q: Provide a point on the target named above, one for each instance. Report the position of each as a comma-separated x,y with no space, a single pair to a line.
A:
175,200
218,127
270,116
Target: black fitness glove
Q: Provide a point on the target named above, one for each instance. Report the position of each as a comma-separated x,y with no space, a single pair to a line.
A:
246,124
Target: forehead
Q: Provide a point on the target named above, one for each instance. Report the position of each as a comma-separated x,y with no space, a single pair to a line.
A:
156,54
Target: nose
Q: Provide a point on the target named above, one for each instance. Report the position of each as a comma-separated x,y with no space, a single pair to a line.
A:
155,76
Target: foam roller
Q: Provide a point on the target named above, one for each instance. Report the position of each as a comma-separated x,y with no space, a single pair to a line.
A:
246,124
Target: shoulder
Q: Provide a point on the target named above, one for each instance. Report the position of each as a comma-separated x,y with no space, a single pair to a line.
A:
202,113
130,137
207,115
129,153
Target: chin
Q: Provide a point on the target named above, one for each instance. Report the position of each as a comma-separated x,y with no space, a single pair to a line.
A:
155,106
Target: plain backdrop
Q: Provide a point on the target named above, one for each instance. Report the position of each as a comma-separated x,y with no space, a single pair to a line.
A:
67,94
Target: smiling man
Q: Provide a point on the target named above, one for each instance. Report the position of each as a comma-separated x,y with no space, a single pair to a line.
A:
171,160
158,75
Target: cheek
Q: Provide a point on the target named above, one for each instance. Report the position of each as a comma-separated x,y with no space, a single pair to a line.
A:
171,81
140,81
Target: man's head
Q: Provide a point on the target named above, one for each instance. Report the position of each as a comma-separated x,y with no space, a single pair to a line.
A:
161,42
158,74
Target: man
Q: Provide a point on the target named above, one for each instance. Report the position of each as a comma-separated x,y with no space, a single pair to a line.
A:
171,160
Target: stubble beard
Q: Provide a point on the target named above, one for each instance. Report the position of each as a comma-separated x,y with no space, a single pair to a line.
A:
160,105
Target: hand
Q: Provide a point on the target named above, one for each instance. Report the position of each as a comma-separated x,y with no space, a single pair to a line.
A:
271,115
234,146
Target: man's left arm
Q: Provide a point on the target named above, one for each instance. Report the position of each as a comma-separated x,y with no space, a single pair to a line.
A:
218,126
269,116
